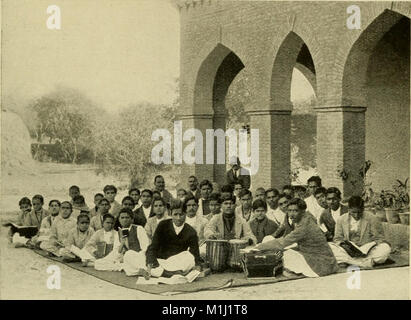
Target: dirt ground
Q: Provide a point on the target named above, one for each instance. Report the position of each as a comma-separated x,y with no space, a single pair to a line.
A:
23,273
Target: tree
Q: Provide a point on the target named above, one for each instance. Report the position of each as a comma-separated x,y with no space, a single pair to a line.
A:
63,116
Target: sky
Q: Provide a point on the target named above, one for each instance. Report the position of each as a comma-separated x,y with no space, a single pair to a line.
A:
117,52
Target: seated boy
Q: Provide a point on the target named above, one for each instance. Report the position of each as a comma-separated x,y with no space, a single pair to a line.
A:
73,191
110,193
159,209
22,220
174,249
145,211
38,213
46,223
360,228
103,207
313,257
97,198
228,225
198,222
129,249
101,242
79,206
135,194
78,237
60,230
245,209
128,203
215,205
261,226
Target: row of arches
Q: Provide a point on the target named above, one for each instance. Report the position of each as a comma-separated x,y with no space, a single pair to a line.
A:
374,82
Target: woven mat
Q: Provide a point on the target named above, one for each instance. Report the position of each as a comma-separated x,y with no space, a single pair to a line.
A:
215,281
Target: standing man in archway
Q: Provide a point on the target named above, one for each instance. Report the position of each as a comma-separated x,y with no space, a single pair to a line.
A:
238,174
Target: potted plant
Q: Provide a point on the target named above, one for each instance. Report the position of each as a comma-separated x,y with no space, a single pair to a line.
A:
402,194
391,206
378,200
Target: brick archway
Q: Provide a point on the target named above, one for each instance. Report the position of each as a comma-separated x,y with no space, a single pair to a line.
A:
213,79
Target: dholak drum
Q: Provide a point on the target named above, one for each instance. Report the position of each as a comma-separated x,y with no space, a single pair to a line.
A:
216,254
234,257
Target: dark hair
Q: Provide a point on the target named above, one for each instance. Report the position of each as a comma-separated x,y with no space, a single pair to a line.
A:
38,197
109,187
98,195
69,203
260,188
79,198
187,200
158,176
226,197
101,200
284,195
244,192
56,201
133,189
227,188
276,192
316,179
83,215
300,189
356,202
206,182
334,190
182,189
299,202
156,194
74,188
215,196
320,190
128,198
288,187
24,200
176,204
160,199
84,211
193,177
259,203
126,210
108,216
148,191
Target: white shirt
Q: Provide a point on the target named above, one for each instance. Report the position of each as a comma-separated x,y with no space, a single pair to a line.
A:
336,214
178,229
276,215
313,207
107,236
191,221
354,224
146,211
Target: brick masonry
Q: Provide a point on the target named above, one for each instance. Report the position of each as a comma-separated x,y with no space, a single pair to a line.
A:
266,37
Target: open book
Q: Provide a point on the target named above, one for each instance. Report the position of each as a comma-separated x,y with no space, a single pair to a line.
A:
355,251
175,279
24,231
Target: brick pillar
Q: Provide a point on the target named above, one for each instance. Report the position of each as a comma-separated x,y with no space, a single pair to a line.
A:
201,122
219,122
341,145
274,144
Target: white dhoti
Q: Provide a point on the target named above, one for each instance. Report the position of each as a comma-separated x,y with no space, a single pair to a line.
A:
133,262
378,254
295,262
183,261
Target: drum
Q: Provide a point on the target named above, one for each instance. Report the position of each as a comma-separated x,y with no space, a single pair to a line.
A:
234,257
216,255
